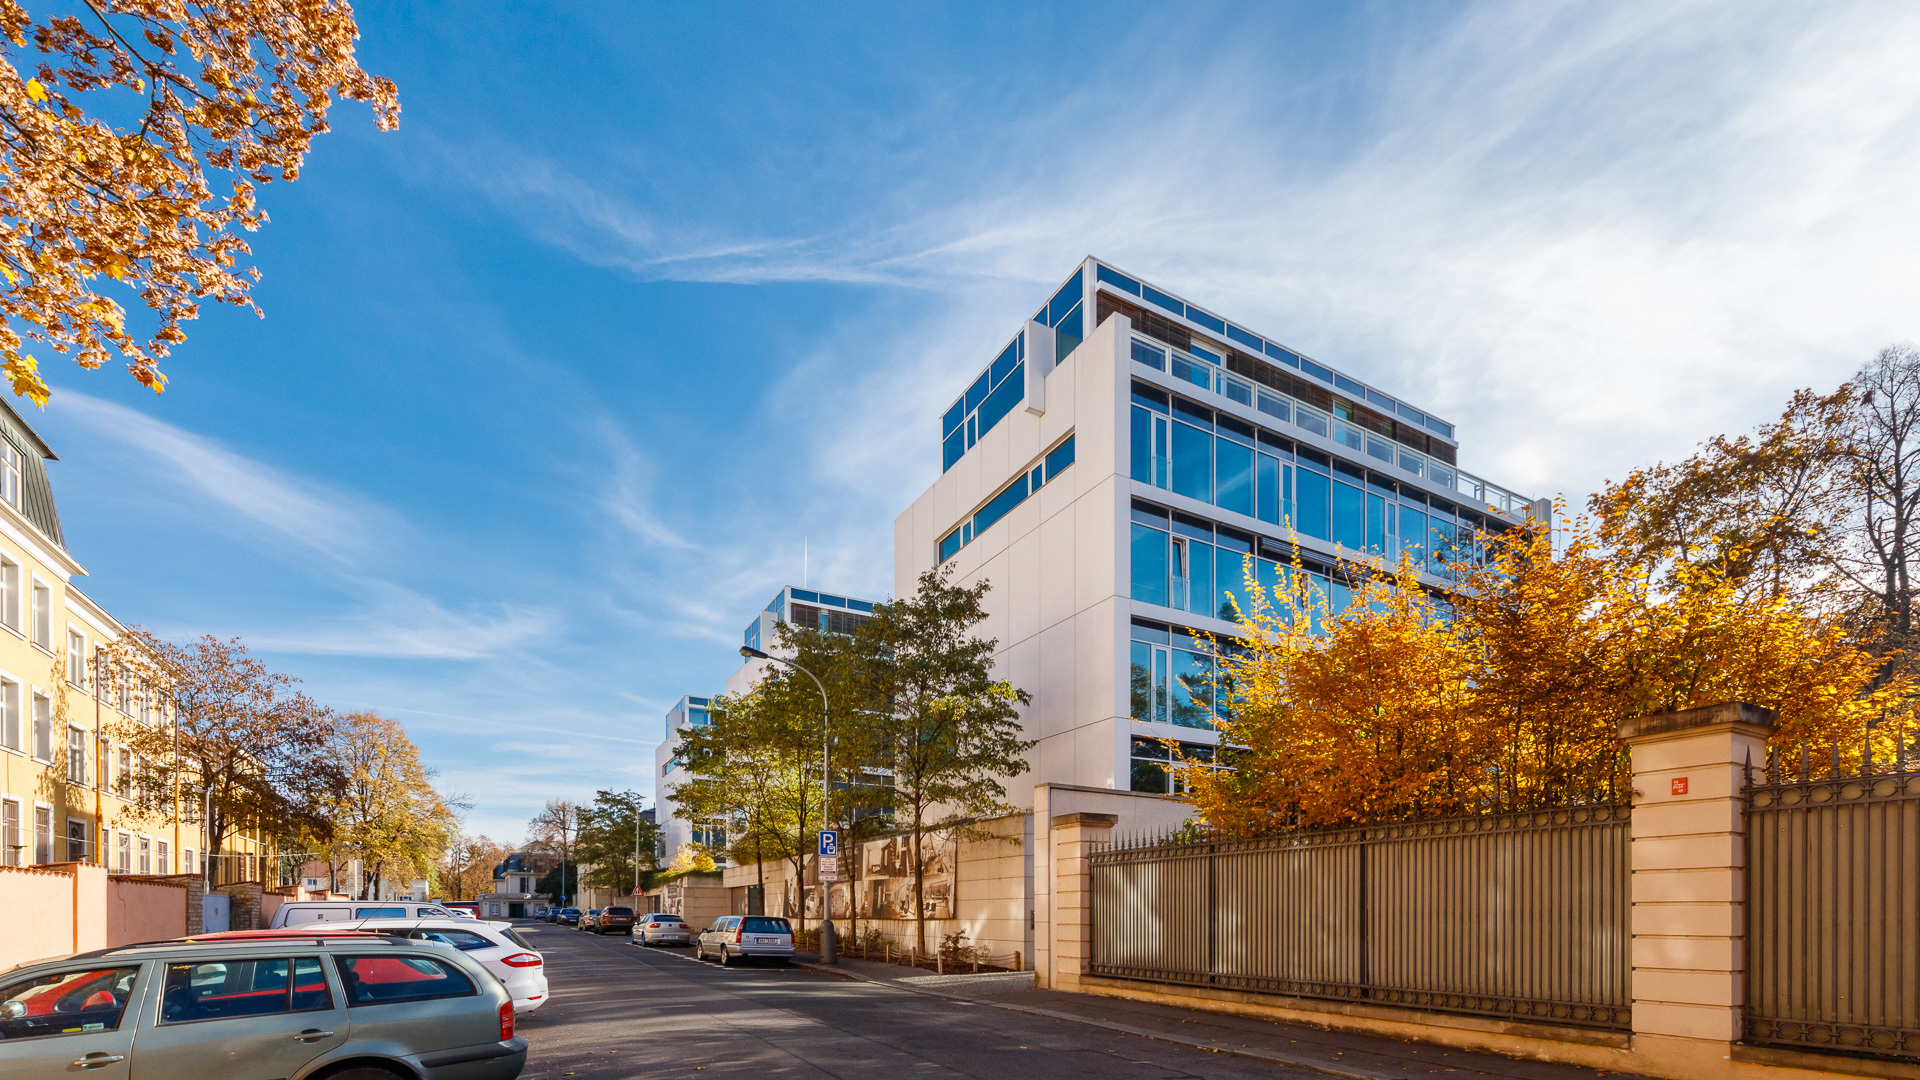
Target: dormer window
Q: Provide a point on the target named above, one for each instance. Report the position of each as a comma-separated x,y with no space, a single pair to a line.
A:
9,474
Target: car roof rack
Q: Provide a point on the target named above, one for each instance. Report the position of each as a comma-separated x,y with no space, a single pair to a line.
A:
240,937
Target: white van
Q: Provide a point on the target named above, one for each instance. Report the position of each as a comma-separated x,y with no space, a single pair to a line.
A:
302,912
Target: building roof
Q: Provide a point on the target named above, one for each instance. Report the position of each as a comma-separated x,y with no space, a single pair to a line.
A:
36,490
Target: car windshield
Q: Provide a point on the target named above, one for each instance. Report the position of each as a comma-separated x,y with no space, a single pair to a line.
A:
619,911
665,918
755,925
569,911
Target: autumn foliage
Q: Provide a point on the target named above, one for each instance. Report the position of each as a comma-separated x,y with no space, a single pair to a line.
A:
133,139
1508,695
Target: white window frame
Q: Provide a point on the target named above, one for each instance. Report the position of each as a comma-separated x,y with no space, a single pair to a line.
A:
162,857
10,594
123,847
143,854
9,854
88,840
11,715
34,724
42,631
73,730
52,837
77,658
12,473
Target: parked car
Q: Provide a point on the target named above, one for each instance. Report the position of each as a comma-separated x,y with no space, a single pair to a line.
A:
287,1003
305,912
511,958
613,919
746,937
660,928
568,916
589,920
465,908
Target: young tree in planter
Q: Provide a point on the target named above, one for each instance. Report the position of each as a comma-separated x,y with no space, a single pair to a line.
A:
945,727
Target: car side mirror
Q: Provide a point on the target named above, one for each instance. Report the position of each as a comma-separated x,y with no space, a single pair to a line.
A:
13,1010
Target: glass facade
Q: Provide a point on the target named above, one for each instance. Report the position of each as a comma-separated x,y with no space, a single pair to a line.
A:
1153,760
1216,458
1003,385
1023,487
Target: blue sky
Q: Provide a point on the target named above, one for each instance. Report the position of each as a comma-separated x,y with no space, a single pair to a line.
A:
556,382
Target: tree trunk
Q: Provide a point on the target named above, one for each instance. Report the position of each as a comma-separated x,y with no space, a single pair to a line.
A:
919,887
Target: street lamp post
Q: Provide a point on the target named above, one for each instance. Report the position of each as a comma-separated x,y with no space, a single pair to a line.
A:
827,951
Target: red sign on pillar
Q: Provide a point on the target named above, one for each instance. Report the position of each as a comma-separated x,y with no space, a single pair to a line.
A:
1679,785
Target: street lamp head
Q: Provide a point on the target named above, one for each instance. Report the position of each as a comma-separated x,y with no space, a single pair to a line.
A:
752,653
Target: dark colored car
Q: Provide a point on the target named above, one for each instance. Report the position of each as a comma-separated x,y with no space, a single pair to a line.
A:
568,915
615,919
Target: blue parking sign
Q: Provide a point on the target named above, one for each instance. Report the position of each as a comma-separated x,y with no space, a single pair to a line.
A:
829,844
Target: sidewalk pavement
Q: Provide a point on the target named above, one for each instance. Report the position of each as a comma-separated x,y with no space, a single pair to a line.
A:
1335,1053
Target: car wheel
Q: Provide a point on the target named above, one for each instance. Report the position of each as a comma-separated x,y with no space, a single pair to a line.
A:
726,958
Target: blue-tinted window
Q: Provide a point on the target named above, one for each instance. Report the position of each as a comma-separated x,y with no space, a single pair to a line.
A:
835,601
952,449
859,605
1208,355
1410,412
1349,386
1152,397
1349,517
1068,335
1153,356
1193,576
1191,371
1282,355
1238,430
1155,296
998,506
1440,426
802,594
977,393
1064,301
1315,370
1413,535
1192,689
1381,400
950,545
1193,462
1231,599
1266,484
1234,333
1310,504
1140,439
1118,280
1212,323
1003,364
1233,476
1377,509
1149,558
1060,458
1441,547
1140,677
1002,401
950,423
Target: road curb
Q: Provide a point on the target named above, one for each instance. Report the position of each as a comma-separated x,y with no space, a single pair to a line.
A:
1248,1052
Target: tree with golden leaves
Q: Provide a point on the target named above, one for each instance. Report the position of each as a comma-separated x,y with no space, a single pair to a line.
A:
387,814
1508,695
228,95
466,870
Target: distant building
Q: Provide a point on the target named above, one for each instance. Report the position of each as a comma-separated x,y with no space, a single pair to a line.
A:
515,880
824,611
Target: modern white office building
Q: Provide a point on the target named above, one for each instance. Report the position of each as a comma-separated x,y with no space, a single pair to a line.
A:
1110,472
794,605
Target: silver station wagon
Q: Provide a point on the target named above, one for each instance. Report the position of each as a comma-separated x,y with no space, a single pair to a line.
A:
265,1003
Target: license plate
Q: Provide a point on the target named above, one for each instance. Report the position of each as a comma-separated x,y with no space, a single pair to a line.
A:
767,941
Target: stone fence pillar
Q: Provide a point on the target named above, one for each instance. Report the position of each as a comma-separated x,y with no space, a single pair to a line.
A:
1689,887
1071,907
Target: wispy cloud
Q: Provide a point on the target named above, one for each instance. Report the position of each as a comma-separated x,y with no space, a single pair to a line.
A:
335,523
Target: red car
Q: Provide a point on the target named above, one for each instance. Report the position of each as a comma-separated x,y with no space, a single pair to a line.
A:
464,907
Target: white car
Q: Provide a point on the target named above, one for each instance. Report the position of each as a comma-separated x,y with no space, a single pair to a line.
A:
303,912
518,965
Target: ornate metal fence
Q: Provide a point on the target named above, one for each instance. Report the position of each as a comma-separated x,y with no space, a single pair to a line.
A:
1833,909
1521,916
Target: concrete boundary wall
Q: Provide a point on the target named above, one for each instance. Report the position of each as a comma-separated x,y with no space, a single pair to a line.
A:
1688,863
57,909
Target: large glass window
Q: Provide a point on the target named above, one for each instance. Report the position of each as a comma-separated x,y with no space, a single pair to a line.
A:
1148,680
1378,525
1192,688
1233,476
1349,517
1192,462
1150,565
1267,483
1312,494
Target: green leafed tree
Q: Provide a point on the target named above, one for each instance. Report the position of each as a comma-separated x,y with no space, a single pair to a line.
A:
943,725
615,842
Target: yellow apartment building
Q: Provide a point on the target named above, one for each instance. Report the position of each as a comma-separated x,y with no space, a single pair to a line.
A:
62,773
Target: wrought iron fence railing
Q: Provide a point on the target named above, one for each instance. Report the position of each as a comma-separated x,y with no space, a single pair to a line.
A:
1517,916
1833,906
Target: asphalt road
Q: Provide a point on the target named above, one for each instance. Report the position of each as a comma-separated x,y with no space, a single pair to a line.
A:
621,1011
